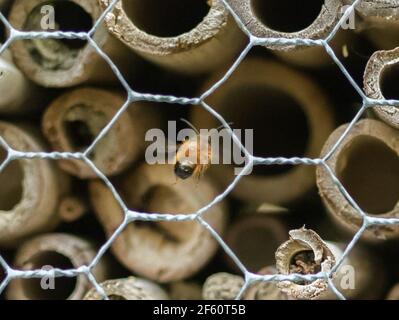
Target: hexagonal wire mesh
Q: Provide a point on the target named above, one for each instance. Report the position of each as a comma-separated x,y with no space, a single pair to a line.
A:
133,96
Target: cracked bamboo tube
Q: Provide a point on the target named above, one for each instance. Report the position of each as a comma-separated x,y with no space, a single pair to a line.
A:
64,63
367,164
263,20
73,121
32,189
189,39
244,236
381,22
161,251
379,64
55,250
306,253
128,289
18,94
291,116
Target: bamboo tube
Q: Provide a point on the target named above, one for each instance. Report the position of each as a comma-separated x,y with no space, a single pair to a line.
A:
381,63
393,293
64,63
193,39
18,94
279,19
185,290
128,289
307,253
381,22
245,236
31,190
265,290
56,250
73,121
367,164
291,117
222,286
161,251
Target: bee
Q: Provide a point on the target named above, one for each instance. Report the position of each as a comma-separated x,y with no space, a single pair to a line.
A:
194,155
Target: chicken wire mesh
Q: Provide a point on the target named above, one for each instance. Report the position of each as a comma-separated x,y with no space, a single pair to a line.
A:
134,96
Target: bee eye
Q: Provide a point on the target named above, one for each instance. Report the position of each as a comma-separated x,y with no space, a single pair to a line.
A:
183,171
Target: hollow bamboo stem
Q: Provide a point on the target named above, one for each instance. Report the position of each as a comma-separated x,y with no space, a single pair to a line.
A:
31,190
18,94
222,286
380,63
367,164
73,121
128,289
284,108
260,18
185,290
381,22
193,39
245,235
307,253
161,251
64,63
55,250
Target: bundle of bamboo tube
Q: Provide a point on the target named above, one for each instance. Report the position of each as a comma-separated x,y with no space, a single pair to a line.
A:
120,177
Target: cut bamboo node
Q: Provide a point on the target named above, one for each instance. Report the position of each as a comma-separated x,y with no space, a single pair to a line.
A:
60,62
379,64
73,121
189,39
163,251
55,250
222,286
305,253
30,190
269,19
367,165
128,289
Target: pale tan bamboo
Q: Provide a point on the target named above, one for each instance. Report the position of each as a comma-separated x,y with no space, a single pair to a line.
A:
393,293
161,251
31,190
222,286
185,290
367,164
381,22
128,289
256,15
86,111
54,63
380,63
264,95
212,41
55,250
18,94
247,233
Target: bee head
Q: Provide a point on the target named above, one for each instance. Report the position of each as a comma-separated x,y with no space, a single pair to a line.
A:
183,171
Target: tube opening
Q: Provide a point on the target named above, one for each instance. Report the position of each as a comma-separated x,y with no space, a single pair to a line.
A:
279,122
11,183
389,81
79,134
369,171
116,297
62,287
287,16
166,18
57,54
303,263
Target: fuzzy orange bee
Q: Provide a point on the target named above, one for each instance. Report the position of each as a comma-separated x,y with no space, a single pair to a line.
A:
193,157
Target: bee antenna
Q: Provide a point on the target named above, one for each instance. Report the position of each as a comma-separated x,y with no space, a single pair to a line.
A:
190,125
